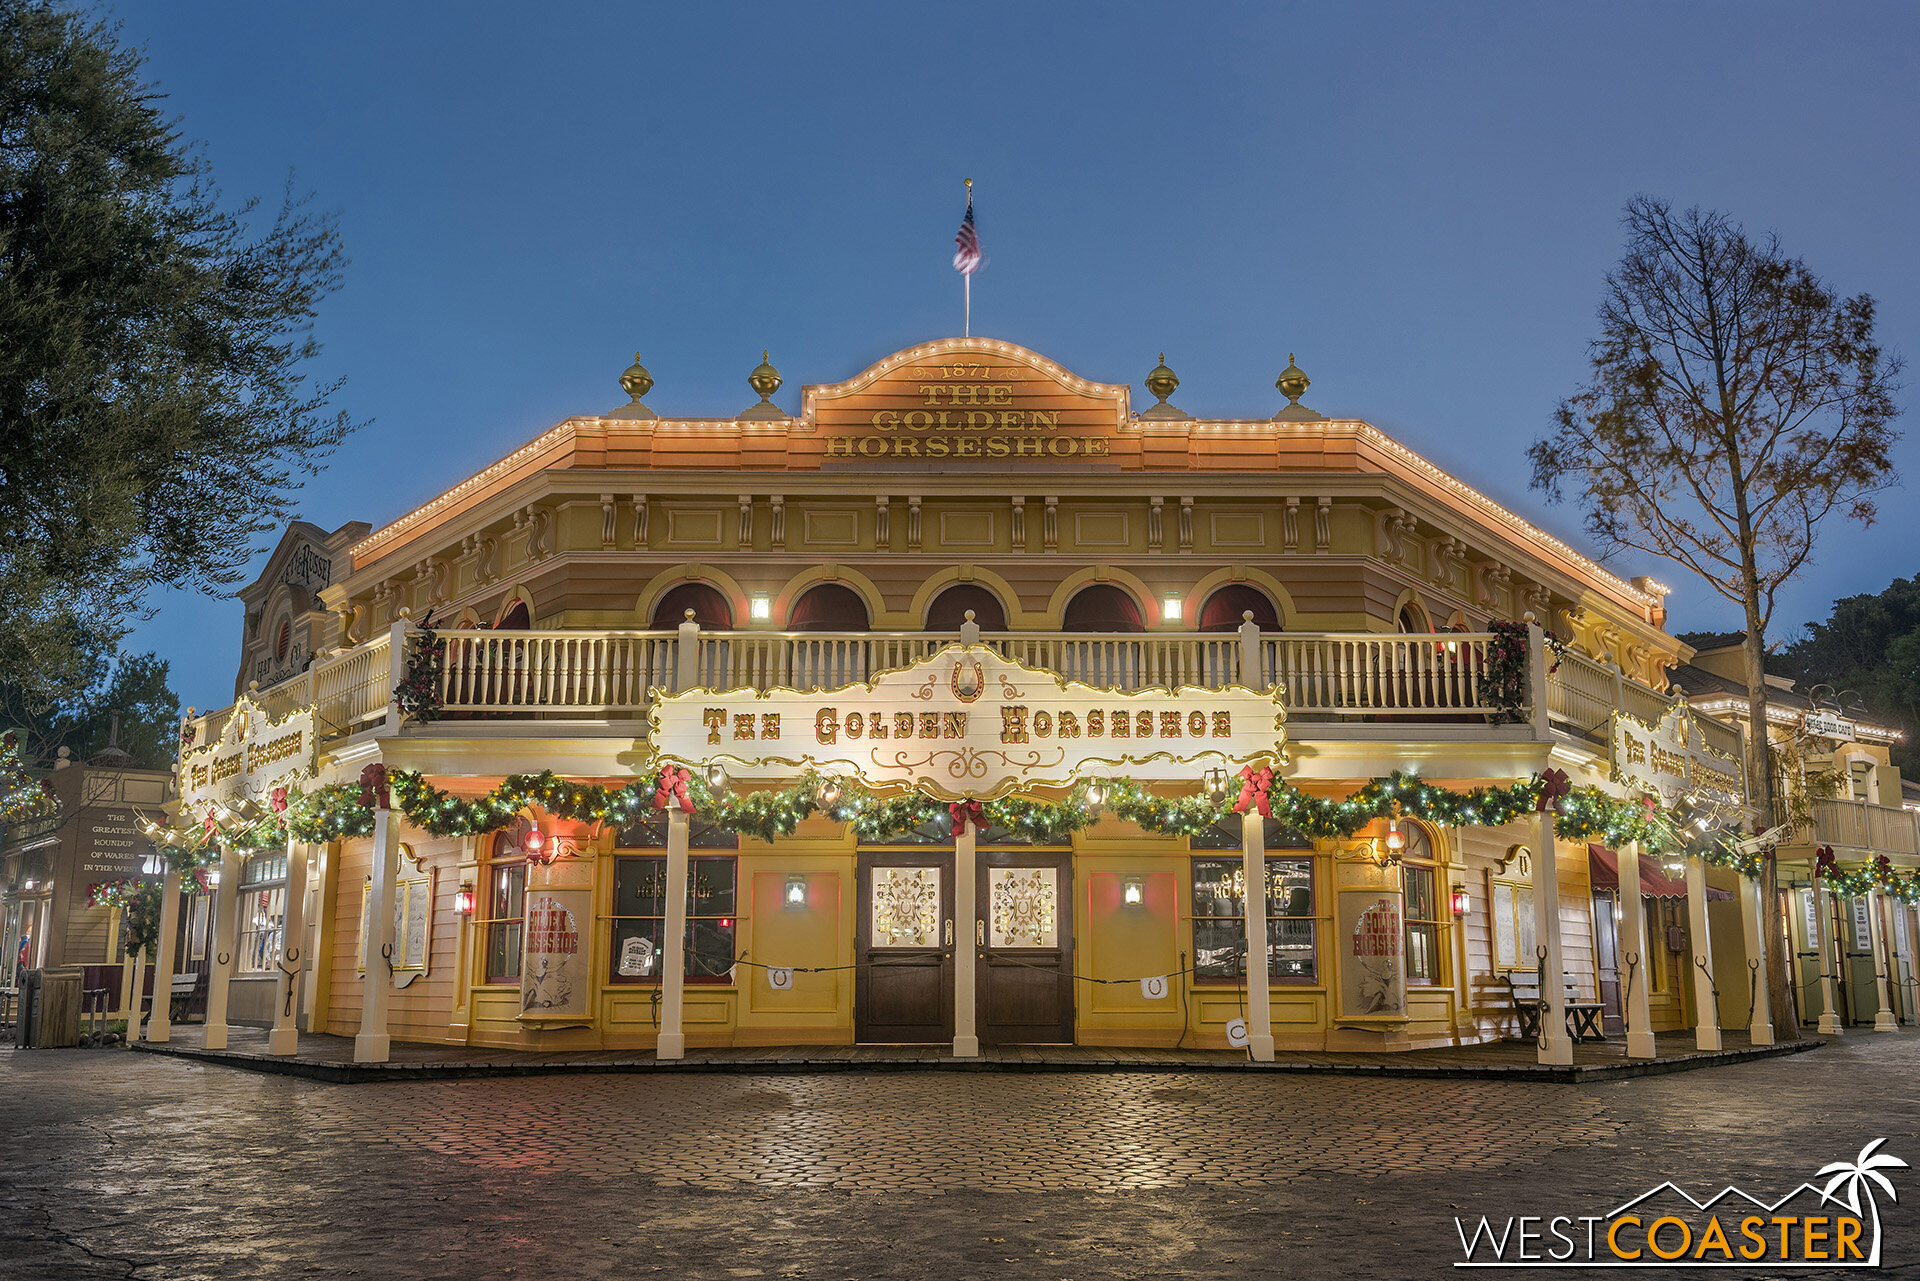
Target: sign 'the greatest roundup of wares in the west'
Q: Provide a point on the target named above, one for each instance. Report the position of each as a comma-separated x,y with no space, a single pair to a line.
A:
966,722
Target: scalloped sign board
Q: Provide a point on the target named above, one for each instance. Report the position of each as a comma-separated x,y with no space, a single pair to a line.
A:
252,756
967,722
1671,759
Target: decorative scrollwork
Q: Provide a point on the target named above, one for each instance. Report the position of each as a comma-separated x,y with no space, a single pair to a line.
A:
969,762
925,692
1008,689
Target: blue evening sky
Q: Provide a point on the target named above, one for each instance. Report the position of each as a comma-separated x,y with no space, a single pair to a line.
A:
1419,199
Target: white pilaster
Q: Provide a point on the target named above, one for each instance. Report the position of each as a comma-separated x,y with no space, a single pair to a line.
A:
1253,851
130,976
966,945
673,948
1883,1021
1556,1046
1706,1010
374,1044
1632,935
1822,916
1753,931
226,923
285,1037
160,1026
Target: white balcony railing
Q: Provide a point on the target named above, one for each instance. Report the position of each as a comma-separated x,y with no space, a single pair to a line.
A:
1328,677
1856,825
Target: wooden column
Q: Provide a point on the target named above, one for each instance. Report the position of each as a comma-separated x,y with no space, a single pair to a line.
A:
1823,925
1706,1010
226,923
1633,942
966,942
673,948
1253,853
1753,932
160,1026
1884,1020
1556,1046
374,1044
285,1037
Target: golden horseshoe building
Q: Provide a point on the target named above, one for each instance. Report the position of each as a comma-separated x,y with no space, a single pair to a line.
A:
964,492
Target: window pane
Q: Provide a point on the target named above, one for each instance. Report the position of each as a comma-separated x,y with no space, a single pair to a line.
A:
1523,927
640,887
636,949
509,891
710,892
710,948
1217,948
1217,888
1423,953
503,951
1419,886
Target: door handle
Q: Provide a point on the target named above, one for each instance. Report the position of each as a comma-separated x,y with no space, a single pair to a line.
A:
949,931
979,933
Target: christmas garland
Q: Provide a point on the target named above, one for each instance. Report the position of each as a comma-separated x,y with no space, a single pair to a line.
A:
120,893
339,811
22,796
1504,681
418,692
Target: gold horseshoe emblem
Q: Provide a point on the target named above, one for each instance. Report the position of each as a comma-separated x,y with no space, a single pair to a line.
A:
979,683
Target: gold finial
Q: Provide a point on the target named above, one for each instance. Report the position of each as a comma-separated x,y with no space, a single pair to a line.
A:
969,184
766,380
1162,381
1293,383
636,381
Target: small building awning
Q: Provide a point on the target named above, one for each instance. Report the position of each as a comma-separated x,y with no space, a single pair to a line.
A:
1654,882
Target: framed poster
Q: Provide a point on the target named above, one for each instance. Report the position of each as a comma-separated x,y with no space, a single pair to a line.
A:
554,982
1373,971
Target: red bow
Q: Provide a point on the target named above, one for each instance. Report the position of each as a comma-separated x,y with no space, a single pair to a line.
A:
1255,784
1824,861
671,787
278,801
964,812
1553,785
1883,869
373,787
1648,808
210,827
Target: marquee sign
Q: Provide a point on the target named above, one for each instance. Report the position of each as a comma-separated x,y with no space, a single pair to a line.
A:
967,400
252,756
967,722
1671,758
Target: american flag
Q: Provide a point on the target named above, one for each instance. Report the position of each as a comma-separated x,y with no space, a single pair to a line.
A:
966,257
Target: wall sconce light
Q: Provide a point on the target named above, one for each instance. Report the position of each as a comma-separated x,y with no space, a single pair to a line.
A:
463,899
1133,891
1170,609
1396,840
28,884
1214,783
1460,900
1675,864
761,609
796,891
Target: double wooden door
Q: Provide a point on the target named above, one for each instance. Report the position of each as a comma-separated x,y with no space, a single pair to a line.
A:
1022,924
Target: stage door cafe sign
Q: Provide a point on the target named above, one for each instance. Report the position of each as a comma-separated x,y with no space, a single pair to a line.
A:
967,401
966,722
1671,759
252,756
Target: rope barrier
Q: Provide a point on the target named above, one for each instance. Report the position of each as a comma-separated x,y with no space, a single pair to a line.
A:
906,963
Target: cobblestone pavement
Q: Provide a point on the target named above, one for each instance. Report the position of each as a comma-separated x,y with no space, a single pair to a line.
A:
117,1165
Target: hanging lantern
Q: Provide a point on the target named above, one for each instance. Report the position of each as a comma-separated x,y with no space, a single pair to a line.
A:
716,777
1214,784
827,793
1396,839
1095,793
463,899
1460,901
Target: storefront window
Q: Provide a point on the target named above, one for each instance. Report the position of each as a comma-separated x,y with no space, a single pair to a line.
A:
263,912
1220,919
506,920
639,918
1420,878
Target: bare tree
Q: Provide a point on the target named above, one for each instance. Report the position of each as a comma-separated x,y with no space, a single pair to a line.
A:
1735,403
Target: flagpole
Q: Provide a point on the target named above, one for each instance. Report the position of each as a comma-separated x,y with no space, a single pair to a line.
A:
966,328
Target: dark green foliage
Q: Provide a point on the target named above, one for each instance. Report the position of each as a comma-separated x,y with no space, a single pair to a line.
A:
135,691
1869,646
153,412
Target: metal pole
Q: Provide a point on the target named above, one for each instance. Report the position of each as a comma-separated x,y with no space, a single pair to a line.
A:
967,326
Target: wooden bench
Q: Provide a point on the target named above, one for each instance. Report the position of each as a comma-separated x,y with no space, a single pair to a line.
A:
1583,1017
184,986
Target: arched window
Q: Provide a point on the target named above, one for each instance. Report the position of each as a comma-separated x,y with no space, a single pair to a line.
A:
1222,611
283,643
710,608
515,619
1102,607
828,607
1413,618
949,609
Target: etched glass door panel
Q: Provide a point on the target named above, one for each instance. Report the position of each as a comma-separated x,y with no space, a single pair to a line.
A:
906,907
1024,907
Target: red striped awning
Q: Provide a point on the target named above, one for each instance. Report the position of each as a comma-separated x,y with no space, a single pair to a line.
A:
1654,882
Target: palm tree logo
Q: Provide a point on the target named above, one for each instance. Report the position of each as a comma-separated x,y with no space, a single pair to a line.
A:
1859,1177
